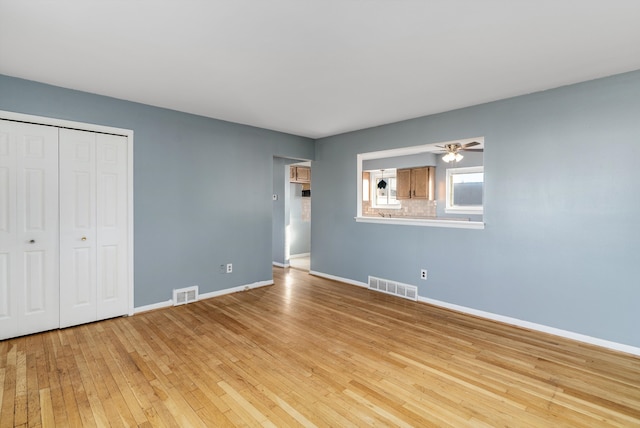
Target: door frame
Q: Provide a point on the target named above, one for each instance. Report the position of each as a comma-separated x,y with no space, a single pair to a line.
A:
61,123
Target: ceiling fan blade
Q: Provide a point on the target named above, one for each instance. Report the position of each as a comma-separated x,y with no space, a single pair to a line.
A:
471,144
473,150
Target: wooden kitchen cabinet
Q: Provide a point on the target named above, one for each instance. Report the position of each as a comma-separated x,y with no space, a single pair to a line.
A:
416,183
299,174
403,184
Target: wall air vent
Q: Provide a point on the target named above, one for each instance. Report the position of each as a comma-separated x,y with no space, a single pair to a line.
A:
185,295
394,288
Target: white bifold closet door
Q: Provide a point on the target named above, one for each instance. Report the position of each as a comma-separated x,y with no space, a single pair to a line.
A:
29,287
93,226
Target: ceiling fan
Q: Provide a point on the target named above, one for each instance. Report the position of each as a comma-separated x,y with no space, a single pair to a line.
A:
452,150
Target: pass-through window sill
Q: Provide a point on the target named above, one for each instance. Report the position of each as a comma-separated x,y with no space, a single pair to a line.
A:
456,224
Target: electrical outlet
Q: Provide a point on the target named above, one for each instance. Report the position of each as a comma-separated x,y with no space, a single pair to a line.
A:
423,274
275,197
229,267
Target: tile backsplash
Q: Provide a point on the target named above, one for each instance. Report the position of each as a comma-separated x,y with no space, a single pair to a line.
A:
415,208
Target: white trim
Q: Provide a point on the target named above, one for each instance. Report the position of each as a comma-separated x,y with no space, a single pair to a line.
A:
534,326
61,123
153,307
300,255
339,279
456,224
130,219
285,265
413,150
235,289
405,151
203,296
359,158
472,210
621,347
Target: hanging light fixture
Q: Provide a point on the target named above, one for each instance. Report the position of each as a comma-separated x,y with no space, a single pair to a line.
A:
382,184
452,154
452,157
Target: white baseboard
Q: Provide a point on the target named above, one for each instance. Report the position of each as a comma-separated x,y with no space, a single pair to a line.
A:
534,326
285,265
339,279
153,306
235,289
621,347
203,296
297,256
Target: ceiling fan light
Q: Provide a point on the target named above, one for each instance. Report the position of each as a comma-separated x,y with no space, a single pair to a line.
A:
448,157
458,157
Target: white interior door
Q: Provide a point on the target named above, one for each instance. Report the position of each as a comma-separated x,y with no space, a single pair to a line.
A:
93,227
112,226
29,287
78,237
65,224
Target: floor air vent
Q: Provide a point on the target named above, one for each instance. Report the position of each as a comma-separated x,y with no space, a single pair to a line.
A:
392,287
185,295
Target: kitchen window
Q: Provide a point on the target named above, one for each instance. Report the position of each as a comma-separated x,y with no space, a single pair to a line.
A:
464,189
383,189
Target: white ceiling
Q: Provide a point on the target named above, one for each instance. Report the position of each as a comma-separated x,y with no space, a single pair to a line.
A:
317,67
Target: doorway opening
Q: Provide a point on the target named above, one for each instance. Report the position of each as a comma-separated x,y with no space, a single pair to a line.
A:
292,213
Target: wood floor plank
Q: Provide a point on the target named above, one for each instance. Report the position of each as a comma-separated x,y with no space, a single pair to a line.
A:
46,409
312,352
53,370
20,404
33,387
8,404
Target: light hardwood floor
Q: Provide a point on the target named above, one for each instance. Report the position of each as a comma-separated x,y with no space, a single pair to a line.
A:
311,352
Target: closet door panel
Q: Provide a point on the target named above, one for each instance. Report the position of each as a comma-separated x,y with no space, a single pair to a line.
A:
29,228
77,227
7,196
8,238
93,227
37,227
8,322
112,225
35,284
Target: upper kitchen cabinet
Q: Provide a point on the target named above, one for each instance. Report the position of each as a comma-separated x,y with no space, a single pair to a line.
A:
416,183
300,174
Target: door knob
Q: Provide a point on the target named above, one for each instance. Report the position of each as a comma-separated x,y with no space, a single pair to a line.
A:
33,241
84,238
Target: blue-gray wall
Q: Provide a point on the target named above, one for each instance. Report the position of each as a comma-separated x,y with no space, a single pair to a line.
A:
408,161
561,245
202,187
